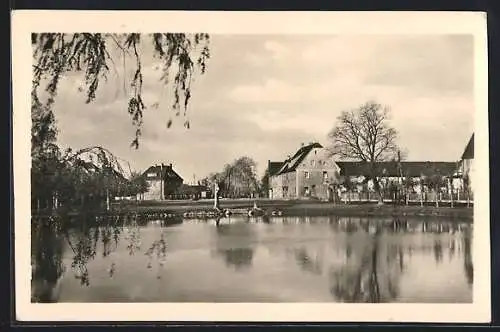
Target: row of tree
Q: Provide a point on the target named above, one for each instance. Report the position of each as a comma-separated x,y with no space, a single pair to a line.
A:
69,181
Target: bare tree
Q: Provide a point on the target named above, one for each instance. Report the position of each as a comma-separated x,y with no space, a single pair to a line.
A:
364,134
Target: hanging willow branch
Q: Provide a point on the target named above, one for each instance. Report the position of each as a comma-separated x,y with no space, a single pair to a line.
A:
180,55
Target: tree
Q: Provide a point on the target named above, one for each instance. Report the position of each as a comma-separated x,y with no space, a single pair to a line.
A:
238,179
138,184
466,184
57,54
364,134
264,184
434,178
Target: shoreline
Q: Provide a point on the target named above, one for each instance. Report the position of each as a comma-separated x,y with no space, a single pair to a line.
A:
304,208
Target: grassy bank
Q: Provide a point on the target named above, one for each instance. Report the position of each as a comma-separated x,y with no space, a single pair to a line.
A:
302,208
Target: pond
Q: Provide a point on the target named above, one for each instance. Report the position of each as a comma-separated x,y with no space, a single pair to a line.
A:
241,259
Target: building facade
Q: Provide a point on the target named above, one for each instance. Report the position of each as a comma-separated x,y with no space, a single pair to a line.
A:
162,181
307,174
466,167
313,173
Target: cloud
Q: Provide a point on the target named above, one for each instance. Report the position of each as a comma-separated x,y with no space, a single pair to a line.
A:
264,95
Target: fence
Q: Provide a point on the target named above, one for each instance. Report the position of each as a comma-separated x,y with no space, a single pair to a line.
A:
443,198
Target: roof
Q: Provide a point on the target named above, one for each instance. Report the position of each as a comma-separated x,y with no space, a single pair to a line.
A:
469,149
274,166
291,164
168,173
390,168
191,189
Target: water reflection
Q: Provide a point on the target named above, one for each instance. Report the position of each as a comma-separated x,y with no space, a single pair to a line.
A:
366,277
348,259
234,242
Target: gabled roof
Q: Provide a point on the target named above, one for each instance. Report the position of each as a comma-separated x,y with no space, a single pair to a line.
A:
391,169
274,166
469,149
291,164
168,173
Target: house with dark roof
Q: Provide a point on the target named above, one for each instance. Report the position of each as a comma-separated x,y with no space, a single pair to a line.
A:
466,165
190,191
307,173
313,172
162,180
393,171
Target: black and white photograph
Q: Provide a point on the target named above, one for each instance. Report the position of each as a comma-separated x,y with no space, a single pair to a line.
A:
217,163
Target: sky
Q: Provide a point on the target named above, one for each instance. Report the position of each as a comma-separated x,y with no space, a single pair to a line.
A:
264,95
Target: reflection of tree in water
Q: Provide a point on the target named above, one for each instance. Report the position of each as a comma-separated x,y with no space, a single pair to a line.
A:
159,249
307,262
47,250
234,243
372,275
238,257
468,265
438,251
361,281
83,235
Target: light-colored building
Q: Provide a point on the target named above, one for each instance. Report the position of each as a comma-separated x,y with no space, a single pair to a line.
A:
466,164
162,181
313,173
308,173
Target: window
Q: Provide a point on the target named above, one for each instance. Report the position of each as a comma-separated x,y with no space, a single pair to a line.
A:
313,163
325,176
307,174
306,191
151,175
